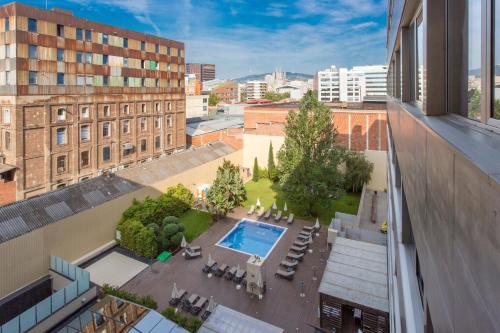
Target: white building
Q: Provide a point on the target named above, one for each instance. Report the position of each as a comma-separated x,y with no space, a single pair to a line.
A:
256,89
209,85
196,106
355,85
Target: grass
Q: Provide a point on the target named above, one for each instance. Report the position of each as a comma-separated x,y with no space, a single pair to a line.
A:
268,192
195,223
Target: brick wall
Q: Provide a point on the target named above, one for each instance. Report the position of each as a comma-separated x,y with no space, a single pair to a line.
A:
7,192
231,136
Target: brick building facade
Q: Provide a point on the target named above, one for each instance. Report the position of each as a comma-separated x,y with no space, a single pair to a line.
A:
227,92
79,98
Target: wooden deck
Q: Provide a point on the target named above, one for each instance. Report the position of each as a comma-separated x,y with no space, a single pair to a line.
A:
281,306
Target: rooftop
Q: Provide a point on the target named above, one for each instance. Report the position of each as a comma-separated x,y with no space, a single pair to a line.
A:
208,126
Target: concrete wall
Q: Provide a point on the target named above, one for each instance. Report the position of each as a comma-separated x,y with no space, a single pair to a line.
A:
26,258
196,106
258,146
379,175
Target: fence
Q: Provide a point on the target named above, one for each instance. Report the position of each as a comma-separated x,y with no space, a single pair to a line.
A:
80,283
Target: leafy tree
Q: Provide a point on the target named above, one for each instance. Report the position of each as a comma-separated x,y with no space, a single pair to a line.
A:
275,96
138,238
183,194
358,171
255,175
309,160
243,96
146,244
271,166
474,106
227,190
129,231
213,99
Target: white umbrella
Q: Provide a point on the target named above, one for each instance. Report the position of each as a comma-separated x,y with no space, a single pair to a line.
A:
285,208
183,242
316,225
210,260
274,205
310,241
175,292
237,269
258,202
211,305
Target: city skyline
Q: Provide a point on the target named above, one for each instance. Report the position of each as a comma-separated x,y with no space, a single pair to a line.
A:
244,38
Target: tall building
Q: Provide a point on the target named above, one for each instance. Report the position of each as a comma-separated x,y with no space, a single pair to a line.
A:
203,72
355,85
80,97
444,165
256,89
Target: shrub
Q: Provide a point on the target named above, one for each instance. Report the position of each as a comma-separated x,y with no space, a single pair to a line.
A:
129,230
263,173
146,301
146,243
255,175
192,324
183,194
169,220
358,171
138,238
171,234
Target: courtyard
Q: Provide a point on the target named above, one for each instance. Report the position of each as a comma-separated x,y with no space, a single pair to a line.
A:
282,305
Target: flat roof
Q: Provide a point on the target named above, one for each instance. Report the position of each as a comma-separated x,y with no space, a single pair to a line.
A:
213,125
356,271
226,320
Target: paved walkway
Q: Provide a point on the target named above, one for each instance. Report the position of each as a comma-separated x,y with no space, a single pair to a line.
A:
282,305
381,211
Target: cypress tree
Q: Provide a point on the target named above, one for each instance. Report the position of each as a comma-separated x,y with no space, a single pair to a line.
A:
271,167
255,176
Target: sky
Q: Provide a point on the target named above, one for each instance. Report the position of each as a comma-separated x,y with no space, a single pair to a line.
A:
245,37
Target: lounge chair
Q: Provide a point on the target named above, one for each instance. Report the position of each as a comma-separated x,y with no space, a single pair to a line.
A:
177,299
251,210
206,314
289,220
298,249
239,275
230,274
200,303
306,233
308,228
220,270
187,304
289,264
303,238
285,274
268,214
194,248
300,243
189,254
261,212
277,218
295,256
208,269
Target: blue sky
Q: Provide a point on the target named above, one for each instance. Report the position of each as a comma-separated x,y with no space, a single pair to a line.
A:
253,36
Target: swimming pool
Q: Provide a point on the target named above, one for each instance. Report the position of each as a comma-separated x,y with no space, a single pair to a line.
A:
252,237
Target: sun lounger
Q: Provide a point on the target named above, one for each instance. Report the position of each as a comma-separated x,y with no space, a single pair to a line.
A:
239,275
187,304
298,249
189,254
206,314
295,256
200,303
285,274
303,238
261,212
300,243
177,299
268,214
277,218
308,228
289,264
306,234
194,248
220,270
208,269
289,220
230,274
251,210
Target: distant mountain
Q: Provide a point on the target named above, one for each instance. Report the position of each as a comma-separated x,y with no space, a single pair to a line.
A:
289,76
477,71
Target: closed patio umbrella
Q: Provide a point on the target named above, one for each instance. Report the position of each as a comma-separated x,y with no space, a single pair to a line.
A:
257,204
285,208
316,225
184,244
210,260
174,291
274,205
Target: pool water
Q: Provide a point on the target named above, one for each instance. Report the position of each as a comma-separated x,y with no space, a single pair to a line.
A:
252,237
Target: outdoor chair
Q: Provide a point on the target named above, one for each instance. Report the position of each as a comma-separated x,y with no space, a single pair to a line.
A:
295,256
187,304
200,303
177,299
303,238
268,214
285,274
298,249
277,218
261,212
189,254
220,270
239,275
208,269
194,248
308,228
289,220
230,274
207,313
289,264
251,210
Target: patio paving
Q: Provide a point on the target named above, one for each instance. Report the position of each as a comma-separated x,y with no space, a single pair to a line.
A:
281,306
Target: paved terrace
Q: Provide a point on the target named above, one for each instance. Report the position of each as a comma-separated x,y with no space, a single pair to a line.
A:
282,305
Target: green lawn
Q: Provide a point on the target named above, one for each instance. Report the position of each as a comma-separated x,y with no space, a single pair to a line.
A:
195,223
268,192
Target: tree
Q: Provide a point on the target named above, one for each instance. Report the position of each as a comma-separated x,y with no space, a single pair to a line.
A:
309,159
358,171
171,233
243,96
213,99
271,166
183,194
276,96
474,106
227,190
255,174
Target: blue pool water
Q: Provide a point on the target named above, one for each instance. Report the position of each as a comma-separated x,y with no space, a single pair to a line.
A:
252,237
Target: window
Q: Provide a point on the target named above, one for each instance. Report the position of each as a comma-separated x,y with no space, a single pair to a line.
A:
419,59
169,121
88,35
106,129
169,106
126,126
85,132
106,153
60,30
60,79
143,108
7,50
125,42
157,107
105,59
84,158
143,82
61,136
79,57
60,55
88,57
125,81
32,25
143,124
32,77
79,34
7,140
157,122
126,109
127,149
61,163
143,145
7,24
105,80
61,114
89,80
106,111
125,62
495,113
157,83
157,142
474,90
84,113
6,116
169,139
32,51
143,64
105,39
143,45
168,50
157,48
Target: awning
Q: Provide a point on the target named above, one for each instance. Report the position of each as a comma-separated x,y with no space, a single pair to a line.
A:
6,167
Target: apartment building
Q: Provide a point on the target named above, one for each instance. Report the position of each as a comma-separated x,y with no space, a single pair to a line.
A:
256,89
192,85
203,72
80,98
444,165
227,92
352,85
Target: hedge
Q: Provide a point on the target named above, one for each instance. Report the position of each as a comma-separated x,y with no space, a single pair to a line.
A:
146,301
192,324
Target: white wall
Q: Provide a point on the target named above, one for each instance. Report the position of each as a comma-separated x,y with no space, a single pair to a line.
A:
196,106
379,175
258,146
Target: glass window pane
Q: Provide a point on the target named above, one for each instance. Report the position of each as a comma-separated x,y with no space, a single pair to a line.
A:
496,63
419,59
474,59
